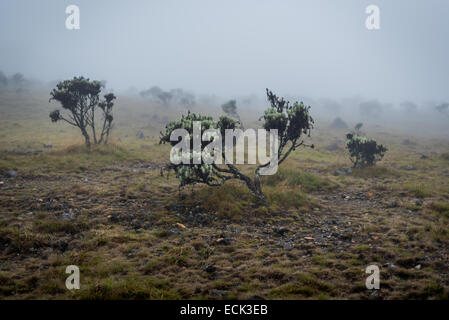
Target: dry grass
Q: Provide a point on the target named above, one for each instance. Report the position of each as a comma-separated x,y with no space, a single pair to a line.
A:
135,236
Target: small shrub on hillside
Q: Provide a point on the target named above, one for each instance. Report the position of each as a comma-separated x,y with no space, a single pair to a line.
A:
363,151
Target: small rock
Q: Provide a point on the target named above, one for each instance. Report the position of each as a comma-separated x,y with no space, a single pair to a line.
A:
12,174
133,253
210,268
410,167
316,209
216,292
68,216
394,204
180,225
335,234
281,230
223,241
140,135
288,246
418,267
29,213
174,231
419,202
48,145
63,245
343,172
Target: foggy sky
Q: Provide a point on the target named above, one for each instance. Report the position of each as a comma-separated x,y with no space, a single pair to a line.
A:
310,47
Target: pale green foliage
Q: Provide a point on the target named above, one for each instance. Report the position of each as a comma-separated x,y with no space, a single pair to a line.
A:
291,122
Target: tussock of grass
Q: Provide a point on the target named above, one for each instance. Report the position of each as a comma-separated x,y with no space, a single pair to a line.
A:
97,153
75,158
234,200
441,208
286,198
20,241
432,290
295,178
230,200
306,286
375,172
55,226
128,288
9,286
53,287
178,256
418,190
153,266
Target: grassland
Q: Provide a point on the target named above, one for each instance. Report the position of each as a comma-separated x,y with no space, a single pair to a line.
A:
135,235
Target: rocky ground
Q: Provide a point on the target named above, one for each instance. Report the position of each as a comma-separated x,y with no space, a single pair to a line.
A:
134,235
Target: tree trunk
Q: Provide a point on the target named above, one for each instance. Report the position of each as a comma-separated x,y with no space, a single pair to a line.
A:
255,187
258,189
86,138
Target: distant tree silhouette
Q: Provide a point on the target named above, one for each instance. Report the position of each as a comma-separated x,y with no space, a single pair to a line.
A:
357,128
443,108
165,98
230,108
3,79
372,108
409,106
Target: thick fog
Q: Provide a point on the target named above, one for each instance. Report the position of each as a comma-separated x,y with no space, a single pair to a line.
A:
309,48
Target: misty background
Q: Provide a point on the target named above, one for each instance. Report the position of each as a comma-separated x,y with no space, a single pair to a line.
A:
316,51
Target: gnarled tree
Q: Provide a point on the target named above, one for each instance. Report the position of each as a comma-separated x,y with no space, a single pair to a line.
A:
80,97
291,121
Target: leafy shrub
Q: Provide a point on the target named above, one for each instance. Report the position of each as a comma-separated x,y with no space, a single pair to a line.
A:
363,151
